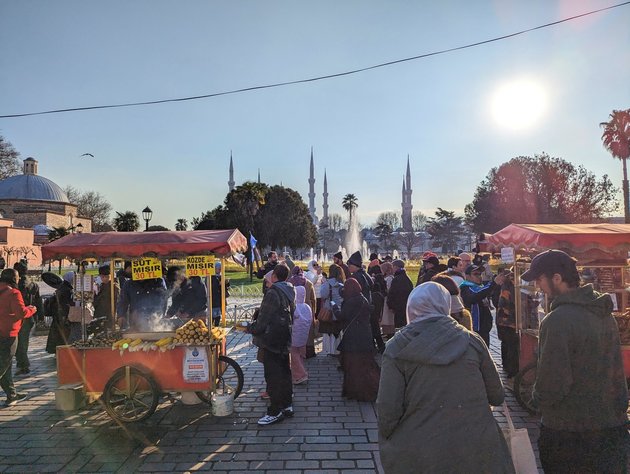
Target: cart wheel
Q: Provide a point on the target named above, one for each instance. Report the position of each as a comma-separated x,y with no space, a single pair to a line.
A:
523,385
229,379
130,395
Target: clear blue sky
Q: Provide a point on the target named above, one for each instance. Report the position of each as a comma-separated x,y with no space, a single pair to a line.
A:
174,157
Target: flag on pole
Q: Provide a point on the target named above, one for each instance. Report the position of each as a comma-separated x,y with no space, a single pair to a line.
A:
252,244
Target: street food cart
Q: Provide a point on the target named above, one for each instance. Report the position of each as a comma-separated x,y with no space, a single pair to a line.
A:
131,373
602,252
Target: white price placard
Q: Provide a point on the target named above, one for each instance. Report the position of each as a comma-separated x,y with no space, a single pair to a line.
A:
507,255
196,365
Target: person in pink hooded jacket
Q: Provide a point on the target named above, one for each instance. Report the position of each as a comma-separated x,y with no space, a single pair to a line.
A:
12,312
302,320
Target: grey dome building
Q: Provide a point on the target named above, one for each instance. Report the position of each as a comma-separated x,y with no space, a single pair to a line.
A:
31,187
32,200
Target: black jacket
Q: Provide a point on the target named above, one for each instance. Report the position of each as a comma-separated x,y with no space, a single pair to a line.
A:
355,319
398,295
269,329
366,283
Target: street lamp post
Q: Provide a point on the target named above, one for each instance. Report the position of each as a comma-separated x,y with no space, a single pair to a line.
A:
147,213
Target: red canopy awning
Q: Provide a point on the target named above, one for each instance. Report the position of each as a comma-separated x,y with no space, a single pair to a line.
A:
129,245
612,239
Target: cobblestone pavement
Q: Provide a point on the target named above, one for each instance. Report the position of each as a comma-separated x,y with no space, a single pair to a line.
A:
327,434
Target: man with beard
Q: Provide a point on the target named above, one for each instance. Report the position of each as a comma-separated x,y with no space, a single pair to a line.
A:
580,385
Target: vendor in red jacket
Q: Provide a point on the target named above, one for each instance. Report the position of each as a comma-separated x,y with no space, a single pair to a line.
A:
12,312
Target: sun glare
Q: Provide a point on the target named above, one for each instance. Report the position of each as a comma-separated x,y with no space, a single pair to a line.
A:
519,105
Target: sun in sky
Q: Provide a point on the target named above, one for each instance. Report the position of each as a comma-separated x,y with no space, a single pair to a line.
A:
519,104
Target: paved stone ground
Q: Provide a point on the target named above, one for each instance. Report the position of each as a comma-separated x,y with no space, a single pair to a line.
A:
327,434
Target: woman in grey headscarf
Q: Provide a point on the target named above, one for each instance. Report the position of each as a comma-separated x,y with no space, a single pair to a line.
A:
437,384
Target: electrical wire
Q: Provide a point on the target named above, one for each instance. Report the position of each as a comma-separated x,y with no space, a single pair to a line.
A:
319,78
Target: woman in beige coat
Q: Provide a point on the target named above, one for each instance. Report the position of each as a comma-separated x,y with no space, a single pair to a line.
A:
437,384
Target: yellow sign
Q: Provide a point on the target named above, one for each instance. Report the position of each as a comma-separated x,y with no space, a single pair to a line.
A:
199,265
146,268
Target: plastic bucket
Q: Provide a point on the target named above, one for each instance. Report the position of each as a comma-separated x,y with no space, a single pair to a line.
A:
190,398
222,404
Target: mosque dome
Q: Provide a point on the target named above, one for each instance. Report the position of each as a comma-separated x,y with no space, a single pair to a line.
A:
31,187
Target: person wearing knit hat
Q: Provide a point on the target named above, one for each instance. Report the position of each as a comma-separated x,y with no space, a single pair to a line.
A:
398,263
434,362
12,312
355,264
355,260
360,371
338,260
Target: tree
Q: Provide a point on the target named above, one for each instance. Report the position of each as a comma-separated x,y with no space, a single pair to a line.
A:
391,218
616,138
335,222
92,205
215,219
243,203
181,224
409,240
539,190
349,203
418,221
284,220
126,222
154,228
9,159
384,233
445,229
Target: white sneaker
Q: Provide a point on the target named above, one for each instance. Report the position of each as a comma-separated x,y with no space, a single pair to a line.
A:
270,419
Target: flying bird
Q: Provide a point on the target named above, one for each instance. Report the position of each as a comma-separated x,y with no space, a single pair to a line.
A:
87,154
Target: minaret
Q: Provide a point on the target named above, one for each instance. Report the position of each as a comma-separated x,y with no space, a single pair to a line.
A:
258,175
231,180
407,207
311,191
325,206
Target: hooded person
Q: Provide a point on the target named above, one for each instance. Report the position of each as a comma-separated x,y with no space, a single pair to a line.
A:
298,278
361,373
302,321
437,384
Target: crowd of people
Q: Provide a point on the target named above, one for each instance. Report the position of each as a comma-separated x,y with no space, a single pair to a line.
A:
436,381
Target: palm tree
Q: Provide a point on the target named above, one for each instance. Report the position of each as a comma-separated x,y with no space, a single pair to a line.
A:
181,224
349,203
126,222
616,138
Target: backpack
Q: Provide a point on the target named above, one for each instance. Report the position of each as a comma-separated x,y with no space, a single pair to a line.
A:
278,331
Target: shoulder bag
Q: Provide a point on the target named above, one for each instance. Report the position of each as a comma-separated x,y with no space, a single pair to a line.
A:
325,314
